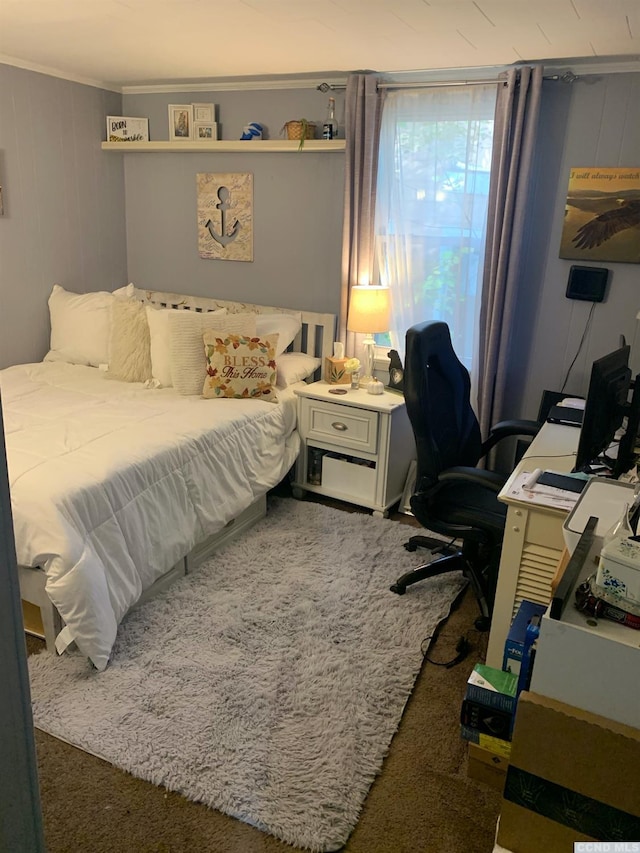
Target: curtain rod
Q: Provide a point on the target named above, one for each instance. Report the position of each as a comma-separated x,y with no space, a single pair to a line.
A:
567,77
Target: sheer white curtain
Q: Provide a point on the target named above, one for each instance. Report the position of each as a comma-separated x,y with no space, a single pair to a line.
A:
431,208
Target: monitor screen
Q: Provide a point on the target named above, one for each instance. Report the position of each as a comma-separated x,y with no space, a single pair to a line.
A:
605,408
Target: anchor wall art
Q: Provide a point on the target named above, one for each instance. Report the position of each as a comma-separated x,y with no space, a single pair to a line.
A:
225,216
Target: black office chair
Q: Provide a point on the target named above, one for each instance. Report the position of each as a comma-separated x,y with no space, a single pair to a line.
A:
453,497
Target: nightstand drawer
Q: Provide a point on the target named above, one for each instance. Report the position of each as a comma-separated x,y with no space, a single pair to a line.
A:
343,425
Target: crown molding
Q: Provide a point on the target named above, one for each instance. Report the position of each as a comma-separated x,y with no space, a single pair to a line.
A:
55,72
580,66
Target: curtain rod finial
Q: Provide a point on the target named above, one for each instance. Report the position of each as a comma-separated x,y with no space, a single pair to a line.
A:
324,87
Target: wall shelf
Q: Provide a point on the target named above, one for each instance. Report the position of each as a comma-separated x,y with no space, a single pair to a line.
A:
222,146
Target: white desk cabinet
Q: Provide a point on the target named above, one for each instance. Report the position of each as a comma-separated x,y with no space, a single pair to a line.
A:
533,541
356,447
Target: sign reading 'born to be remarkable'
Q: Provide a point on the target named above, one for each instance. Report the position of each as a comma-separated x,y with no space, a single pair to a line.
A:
225,216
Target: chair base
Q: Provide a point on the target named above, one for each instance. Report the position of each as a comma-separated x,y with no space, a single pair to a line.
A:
455,562
436,546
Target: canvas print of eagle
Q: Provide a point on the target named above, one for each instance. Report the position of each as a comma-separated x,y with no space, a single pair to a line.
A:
602,215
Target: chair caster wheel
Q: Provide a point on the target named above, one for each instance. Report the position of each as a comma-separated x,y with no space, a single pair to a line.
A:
410,546
482,623
399,590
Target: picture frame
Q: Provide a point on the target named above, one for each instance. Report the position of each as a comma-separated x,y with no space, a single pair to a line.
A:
205,131
600,212
180,122
127,129
205,113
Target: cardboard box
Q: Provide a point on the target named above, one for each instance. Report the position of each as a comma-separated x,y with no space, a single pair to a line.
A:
487,767
514,646
572,776
496,745
493,688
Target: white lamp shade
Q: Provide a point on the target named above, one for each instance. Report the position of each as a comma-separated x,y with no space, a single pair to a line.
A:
369,309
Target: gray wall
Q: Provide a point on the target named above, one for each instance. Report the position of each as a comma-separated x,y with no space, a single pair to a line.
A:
66,211
593,122
63,203
298,201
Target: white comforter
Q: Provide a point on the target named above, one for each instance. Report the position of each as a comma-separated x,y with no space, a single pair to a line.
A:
112,483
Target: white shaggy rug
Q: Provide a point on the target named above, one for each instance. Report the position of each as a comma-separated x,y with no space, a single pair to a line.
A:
267,684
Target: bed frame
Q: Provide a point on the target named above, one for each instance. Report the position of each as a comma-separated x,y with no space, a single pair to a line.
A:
41,619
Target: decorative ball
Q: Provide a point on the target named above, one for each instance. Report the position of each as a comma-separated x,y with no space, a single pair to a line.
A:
253,130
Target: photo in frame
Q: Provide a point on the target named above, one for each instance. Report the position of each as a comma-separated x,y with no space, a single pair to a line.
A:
180,122
602,215
204,130
204,113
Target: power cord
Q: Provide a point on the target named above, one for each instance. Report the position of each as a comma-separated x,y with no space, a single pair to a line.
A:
584,335
463,647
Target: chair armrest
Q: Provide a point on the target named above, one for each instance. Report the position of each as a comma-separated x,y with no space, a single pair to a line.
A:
479,476
505,429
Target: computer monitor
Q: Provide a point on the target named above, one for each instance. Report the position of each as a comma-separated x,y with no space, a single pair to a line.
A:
605,407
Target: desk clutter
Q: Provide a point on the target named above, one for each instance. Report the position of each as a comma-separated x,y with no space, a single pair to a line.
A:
612,591
566,773
557,730
491,696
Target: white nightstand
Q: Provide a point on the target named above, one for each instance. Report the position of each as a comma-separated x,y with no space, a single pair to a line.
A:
356,447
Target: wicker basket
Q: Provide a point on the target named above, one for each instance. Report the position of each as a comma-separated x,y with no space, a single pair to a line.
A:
300,129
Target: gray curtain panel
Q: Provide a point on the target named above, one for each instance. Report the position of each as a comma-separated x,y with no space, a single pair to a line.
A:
516,121
363,113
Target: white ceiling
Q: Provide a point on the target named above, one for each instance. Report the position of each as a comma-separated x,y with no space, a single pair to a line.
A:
119,43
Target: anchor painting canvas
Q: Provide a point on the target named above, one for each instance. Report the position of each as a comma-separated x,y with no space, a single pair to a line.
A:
225,216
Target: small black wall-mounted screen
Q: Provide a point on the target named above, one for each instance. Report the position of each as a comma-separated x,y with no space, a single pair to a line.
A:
588,283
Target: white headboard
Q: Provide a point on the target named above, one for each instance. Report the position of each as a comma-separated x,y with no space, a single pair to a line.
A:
315,338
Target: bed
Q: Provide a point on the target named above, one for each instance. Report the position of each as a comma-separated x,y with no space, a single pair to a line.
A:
118,487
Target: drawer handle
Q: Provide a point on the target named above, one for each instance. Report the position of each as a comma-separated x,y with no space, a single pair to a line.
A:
339,426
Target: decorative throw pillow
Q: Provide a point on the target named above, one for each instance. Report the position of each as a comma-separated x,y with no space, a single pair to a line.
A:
129,342
158,319
79,326
286,326
295,366
240,367
186,328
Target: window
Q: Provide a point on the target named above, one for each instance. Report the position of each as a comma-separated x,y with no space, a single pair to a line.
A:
431,209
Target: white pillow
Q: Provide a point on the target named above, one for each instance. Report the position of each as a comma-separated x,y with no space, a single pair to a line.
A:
286,326
129,345
79,326
186,346
295,366
158,319
126,292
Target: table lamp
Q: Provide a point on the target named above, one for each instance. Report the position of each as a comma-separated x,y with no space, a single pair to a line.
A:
369,313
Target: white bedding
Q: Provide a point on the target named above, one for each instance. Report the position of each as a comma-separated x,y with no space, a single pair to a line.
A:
112,483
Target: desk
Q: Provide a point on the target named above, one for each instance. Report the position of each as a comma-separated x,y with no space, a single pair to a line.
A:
533,541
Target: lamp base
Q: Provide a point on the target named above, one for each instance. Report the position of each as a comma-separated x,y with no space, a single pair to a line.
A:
368,353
